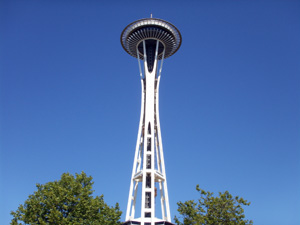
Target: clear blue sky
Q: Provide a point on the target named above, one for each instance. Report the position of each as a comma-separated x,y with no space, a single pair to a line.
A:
229,100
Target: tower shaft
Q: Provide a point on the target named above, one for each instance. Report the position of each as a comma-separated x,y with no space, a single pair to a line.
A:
148,168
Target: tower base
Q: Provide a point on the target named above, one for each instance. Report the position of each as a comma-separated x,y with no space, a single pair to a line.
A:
139,223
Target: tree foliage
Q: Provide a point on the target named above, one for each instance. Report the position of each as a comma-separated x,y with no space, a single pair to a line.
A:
67,201
222,210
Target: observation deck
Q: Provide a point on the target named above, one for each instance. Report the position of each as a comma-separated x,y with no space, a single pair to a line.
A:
151,30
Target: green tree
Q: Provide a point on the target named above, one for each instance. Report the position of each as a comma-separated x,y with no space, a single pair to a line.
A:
67,201
222,210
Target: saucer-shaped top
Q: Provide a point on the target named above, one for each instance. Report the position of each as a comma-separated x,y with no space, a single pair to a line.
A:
150,29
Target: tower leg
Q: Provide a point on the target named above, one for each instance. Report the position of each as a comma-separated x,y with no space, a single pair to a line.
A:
148,167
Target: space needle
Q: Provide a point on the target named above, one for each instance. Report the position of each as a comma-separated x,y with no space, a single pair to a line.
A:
150,40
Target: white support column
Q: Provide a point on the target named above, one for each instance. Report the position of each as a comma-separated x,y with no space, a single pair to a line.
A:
137,161
163,170
148,166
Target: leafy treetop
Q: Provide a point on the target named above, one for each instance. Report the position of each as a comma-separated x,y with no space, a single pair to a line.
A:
209,210
67,201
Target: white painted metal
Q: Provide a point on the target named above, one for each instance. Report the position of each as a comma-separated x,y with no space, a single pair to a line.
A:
148,165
